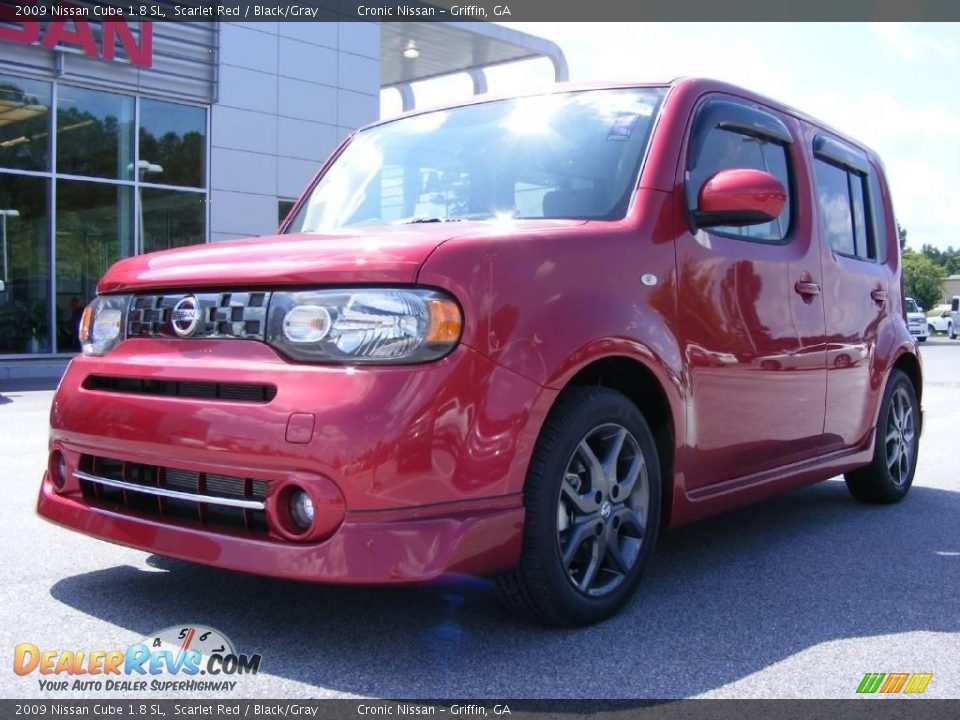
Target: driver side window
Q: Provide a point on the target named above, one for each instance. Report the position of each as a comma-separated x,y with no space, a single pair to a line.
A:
725,149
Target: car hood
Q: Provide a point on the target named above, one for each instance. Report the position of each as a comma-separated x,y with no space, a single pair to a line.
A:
386,254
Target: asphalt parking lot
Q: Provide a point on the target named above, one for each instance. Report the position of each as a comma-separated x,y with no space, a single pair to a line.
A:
797,597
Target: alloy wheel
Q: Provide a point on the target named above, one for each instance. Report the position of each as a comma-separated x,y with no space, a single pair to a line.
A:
603,508
901,432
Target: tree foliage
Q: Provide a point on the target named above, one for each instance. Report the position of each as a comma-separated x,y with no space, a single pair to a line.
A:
924,271
922,278
948,259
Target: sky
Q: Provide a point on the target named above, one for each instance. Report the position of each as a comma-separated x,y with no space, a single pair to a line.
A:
893,86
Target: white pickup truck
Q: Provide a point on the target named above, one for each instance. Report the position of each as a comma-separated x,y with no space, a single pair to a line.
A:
941,323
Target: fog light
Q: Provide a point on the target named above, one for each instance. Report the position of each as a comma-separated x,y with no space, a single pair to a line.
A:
307,508
58,470
301,510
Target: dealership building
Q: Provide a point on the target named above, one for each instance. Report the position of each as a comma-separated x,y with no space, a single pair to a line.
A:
123,138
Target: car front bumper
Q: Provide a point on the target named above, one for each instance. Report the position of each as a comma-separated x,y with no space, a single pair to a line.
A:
419,468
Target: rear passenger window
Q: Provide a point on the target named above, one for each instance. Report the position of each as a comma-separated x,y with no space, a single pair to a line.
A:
850,200
833,198
846,221
877,217
724,149
860,236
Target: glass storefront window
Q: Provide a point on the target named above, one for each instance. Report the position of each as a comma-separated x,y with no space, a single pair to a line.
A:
116,189
173,141
94,230
94,133
24,123
171,219
25,298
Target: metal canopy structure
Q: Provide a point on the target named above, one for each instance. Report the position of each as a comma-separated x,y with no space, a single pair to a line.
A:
411,52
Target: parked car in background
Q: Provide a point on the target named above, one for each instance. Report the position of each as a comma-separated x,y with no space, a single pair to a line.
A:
954,316
515,338
941,323
917,320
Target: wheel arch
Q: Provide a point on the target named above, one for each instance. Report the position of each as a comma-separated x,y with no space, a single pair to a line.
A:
907,361
909,364
640,384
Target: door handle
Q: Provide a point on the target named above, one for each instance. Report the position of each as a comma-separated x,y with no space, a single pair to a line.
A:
807,288
879,296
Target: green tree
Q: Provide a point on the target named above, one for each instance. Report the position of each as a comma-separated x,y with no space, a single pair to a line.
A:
922,278
935,255
948,259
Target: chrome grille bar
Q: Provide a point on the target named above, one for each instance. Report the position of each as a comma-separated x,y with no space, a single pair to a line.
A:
166,493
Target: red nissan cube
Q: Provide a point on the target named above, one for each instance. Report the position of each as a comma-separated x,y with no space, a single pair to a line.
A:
513,338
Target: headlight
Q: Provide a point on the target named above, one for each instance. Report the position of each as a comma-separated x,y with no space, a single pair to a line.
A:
364,325
102,324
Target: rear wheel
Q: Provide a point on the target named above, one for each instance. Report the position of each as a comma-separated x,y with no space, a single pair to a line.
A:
592,500
888,477
950,332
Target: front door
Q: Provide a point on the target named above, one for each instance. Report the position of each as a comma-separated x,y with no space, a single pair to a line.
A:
751,317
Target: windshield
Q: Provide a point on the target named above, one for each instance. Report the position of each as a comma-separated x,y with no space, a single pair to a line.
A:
912,306
567,155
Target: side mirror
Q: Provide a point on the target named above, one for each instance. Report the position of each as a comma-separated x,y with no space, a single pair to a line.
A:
739,197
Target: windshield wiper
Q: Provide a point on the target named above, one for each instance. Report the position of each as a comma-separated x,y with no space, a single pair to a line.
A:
416,220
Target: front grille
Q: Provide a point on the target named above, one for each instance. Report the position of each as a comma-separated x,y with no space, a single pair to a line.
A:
233,392
222,315
218,502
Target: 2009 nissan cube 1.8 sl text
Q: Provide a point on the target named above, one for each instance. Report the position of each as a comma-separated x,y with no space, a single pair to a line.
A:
512,338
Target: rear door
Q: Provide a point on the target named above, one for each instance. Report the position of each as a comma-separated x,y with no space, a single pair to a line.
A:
754,346
858,271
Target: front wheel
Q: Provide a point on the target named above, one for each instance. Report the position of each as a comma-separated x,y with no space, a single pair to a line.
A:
931,329
592,500
950,332
888,477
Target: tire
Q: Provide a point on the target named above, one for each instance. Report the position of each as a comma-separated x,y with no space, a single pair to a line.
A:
589,530
888,477
931,330
922,338
950,332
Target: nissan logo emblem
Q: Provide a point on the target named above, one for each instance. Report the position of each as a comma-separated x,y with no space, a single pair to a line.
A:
185,316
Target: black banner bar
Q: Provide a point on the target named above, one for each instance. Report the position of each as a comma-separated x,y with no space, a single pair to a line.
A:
152,709
483,10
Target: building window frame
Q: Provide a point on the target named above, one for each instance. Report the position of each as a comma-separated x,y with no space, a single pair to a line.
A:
135,183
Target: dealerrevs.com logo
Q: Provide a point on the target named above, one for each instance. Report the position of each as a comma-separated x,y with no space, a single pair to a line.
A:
180,658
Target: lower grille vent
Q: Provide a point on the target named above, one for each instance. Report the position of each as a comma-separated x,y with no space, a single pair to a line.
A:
219,502
233,392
